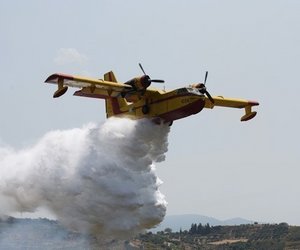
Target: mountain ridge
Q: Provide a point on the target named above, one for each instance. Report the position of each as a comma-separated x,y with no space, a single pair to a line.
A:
184,221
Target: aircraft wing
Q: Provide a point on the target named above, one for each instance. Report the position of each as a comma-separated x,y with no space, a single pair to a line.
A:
89,86
233,103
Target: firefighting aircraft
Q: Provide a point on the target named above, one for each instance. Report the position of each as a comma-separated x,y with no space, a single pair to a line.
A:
134,98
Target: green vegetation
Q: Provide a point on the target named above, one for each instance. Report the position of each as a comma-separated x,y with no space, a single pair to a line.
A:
252,236
48,234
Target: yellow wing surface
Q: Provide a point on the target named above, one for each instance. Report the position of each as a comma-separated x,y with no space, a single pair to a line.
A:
233,103
90,87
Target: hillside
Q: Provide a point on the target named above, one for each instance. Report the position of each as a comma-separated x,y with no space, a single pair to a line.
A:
38,234
183,222
48,234
251,236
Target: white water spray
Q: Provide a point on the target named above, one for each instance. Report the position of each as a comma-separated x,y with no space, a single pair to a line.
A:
97,179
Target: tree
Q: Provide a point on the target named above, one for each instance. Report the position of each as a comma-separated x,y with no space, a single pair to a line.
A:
207,229
193,229
200,229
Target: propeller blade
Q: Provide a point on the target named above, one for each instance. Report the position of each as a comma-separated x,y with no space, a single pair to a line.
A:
148,78
205,77
202,90
157,80
142,68
209,96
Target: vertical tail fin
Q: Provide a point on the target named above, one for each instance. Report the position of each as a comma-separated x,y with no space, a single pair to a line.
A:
114,105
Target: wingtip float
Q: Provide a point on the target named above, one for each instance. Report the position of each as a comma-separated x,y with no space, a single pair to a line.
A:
134,98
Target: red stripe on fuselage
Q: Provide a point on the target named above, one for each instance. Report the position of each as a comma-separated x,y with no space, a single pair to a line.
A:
187,110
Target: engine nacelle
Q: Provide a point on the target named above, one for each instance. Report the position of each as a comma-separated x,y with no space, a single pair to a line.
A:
139,83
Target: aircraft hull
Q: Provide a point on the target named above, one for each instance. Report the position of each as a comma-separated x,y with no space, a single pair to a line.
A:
184,111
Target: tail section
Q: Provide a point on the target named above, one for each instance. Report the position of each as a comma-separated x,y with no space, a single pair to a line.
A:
114,105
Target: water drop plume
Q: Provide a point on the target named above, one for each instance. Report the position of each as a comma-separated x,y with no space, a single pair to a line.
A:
96,179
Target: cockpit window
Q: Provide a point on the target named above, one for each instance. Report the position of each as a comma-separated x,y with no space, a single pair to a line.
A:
188,90
193,90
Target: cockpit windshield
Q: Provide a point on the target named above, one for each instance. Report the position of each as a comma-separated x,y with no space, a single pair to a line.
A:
188,90
193,90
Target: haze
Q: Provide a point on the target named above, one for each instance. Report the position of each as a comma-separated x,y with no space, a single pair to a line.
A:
216,165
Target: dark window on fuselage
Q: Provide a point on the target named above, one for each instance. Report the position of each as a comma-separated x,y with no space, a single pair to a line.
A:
182,91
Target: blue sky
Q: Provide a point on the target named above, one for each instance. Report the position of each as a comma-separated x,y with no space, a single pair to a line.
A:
216,165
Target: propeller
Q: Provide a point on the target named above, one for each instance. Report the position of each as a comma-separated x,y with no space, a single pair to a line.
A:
148,78
203,90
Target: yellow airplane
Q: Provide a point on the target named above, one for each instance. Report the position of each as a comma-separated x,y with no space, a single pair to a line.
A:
134,98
